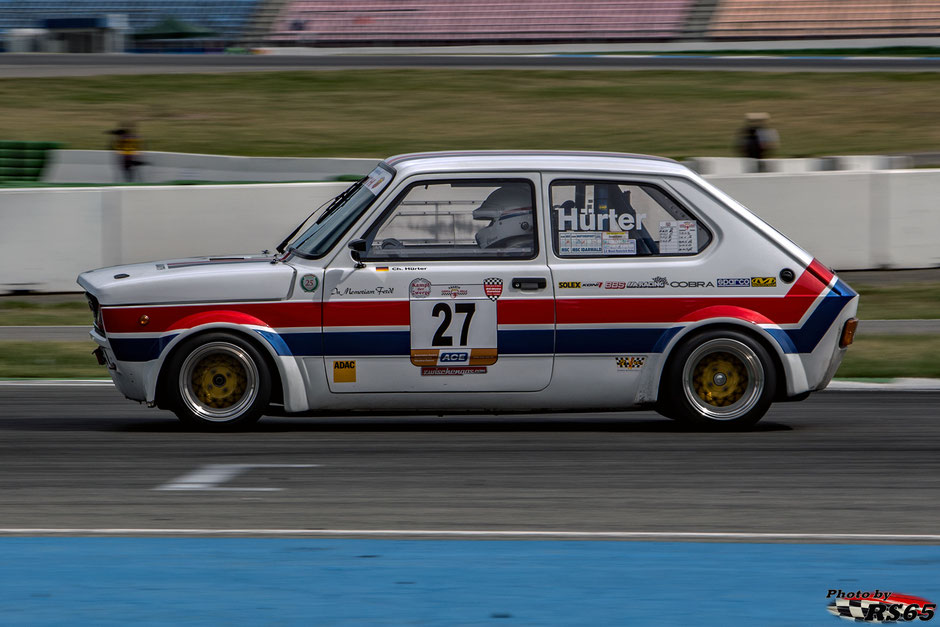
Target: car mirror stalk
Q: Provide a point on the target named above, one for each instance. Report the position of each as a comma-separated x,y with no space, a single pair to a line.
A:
356,248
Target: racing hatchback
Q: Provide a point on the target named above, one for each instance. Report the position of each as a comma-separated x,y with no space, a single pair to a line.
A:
487,282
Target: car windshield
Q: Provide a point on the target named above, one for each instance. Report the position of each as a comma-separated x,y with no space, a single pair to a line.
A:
340,214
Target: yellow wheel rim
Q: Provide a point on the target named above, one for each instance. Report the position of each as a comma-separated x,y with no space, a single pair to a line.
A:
723,379
219,381
720,379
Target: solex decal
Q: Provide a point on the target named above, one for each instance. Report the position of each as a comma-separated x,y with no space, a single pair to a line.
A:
569,285
309,283
878,607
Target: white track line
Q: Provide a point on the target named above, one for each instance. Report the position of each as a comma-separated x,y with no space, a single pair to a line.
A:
473,533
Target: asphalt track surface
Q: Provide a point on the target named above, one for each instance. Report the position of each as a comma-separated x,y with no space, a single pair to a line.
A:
838,463
40,65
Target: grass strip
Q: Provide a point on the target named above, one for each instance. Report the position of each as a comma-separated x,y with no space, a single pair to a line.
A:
870,357
49,360
889,356
374,113
899,302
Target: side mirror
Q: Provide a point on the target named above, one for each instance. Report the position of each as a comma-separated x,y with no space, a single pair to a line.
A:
356,249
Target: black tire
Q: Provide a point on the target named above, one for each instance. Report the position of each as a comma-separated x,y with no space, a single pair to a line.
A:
217,381
720,379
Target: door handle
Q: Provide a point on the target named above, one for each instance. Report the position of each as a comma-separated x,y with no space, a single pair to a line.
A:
529,283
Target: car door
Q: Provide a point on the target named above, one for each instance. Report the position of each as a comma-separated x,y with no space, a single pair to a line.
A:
625,258
453,294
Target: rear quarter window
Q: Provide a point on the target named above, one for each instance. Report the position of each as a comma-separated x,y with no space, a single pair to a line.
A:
607,218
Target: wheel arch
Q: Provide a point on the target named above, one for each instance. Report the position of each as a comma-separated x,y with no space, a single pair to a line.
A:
784,367
279,368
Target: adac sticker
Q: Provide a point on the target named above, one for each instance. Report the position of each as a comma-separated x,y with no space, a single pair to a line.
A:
344,371
309,283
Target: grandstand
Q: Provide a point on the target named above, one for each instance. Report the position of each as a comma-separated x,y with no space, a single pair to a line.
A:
436,22
767,19
478,21
227,19
465,22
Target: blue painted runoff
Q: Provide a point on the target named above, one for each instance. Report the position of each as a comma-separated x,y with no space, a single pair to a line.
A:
313,581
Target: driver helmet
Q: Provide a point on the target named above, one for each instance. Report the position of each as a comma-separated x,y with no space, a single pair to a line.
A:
509,211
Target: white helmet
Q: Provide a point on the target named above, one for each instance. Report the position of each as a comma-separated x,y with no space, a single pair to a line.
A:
509,211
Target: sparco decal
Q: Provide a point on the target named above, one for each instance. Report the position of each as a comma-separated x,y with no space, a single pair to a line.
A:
741,282
683,284
493,288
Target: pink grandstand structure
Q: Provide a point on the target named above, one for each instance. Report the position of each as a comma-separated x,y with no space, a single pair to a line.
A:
761,19
361,22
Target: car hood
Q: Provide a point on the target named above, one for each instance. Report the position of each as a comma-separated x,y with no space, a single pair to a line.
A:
196,279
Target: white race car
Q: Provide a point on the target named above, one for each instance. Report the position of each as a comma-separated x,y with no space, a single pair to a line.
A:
487,282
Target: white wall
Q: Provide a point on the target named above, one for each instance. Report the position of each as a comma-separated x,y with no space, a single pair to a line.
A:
48,236
101,166
827,213
849,220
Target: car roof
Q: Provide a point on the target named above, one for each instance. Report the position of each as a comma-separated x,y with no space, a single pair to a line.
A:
529,160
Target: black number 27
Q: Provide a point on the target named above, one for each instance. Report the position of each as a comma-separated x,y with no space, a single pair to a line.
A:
443,309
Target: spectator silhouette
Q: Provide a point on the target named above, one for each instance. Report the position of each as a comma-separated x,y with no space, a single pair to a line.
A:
757,140
127,145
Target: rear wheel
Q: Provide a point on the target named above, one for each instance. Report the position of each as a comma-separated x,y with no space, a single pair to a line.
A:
218,381
719,379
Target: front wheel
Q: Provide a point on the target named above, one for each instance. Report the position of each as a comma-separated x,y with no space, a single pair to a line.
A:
719,379
218,381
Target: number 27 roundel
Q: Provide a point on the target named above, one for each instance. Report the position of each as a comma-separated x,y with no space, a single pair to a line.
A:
453,325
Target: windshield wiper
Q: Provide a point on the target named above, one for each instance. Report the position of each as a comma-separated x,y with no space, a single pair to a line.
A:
335,204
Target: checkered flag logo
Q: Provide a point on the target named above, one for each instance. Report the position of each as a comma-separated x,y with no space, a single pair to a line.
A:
851,609
492,287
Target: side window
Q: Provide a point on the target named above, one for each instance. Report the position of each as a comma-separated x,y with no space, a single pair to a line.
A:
617,219
469,219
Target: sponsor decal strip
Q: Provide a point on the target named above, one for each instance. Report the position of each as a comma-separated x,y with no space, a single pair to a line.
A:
668,314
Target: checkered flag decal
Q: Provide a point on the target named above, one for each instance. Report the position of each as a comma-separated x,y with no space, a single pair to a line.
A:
492,287
855,610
